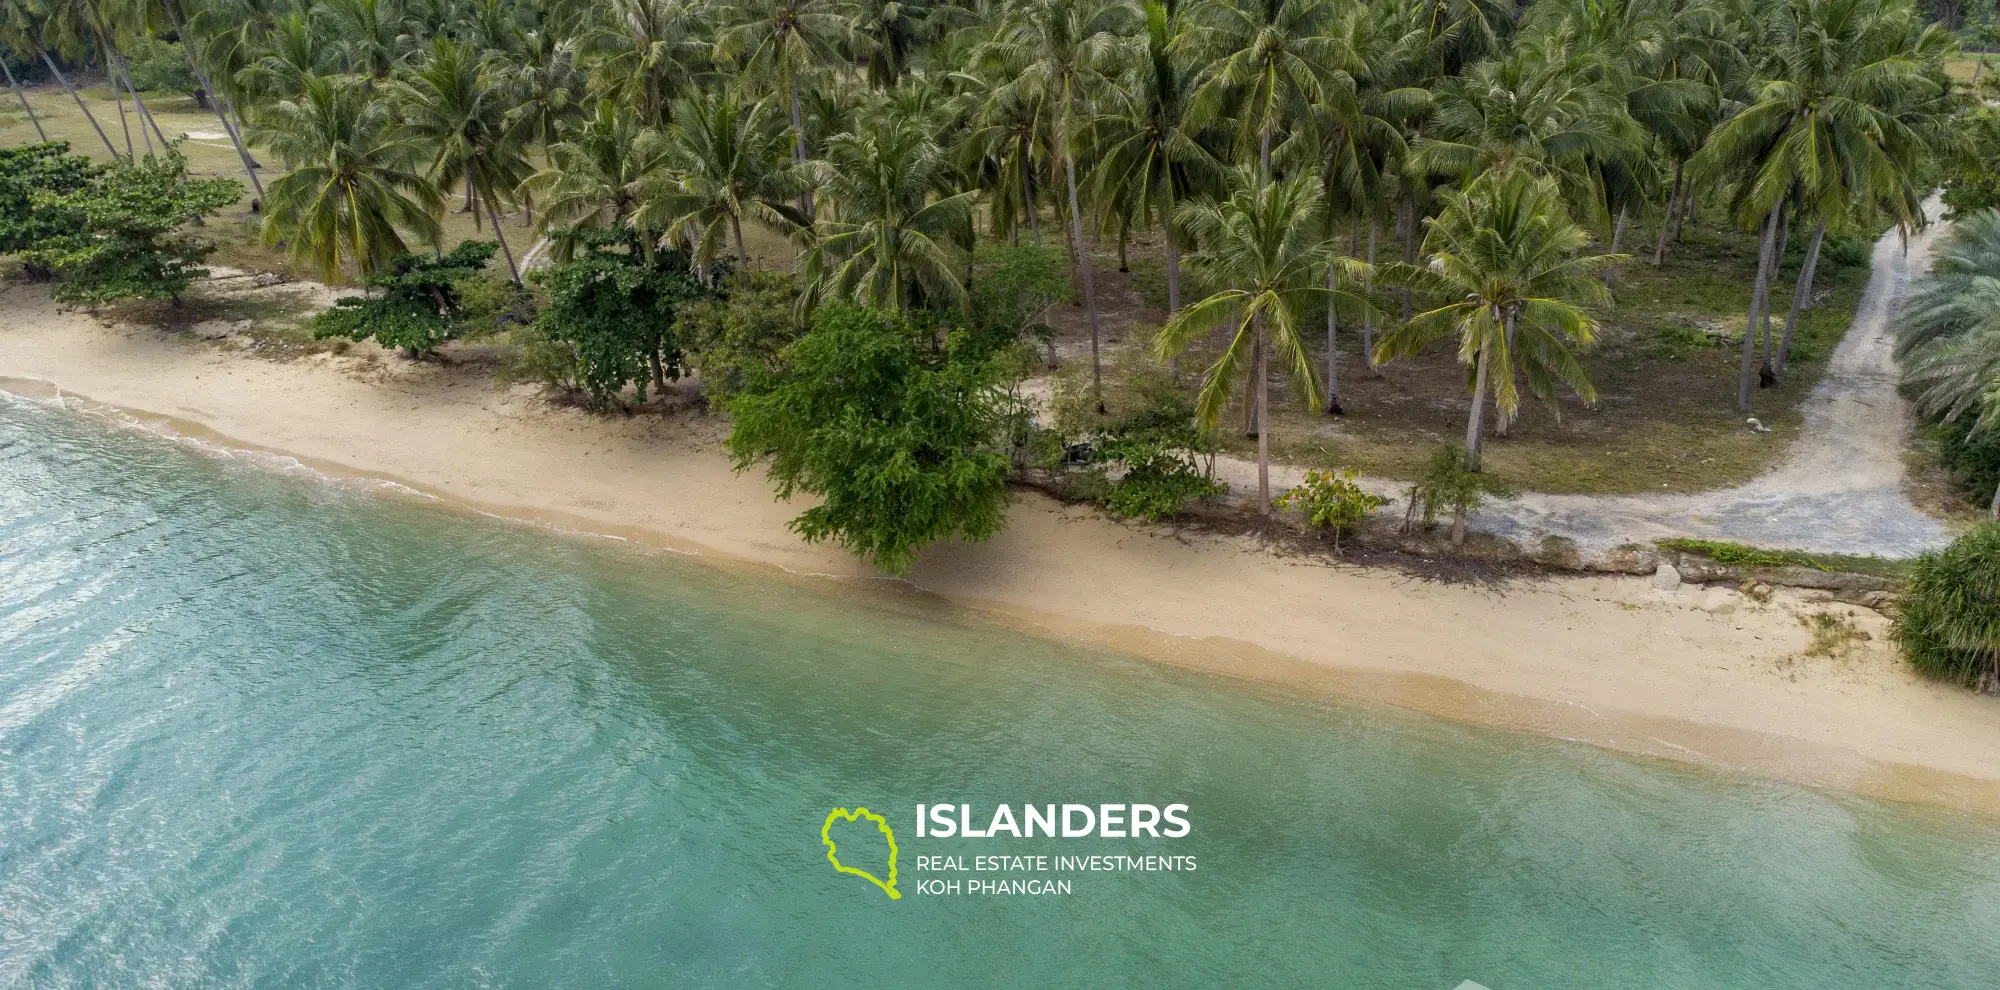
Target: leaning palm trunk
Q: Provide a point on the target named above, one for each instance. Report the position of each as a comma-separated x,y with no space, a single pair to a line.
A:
1617,236
23,97
94,125
1173,257
799,144
1801,294
1758,293
124,122
1089,291
145,114
217,102
493,214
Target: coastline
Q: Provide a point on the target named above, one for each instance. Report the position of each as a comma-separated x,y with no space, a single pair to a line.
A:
1696,675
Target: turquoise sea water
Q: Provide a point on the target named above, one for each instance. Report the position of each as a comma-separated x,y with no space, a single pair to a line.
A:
257,730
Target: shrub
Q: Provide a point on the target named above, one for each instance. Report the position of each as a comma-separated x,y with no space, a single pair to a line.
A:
736,342
1446,486
1331,501
420,305
1949,624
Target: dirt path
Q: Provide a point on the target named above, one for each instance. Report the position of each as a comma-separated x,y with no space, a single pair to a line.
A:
1837,491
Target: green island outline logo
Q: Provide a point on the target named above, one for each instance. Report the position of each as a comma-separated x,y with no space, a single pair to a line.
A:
833,853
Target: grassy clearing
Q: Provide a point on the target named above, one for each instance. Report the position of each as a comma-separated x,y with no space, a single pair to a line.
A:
1665,372
1744,555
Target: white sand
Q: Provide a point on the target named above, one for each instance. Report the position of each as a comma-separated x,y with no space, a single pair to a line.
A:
1698,675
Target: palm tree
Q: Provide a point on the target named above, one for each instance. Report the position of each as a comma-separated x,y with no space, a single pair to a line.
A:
352,187
368,33
894,234
1272,58
1058,54
1152,158
724,161
649,49
456,109
1266,246
1948,330
782,40
596,176
1503,262
1830,122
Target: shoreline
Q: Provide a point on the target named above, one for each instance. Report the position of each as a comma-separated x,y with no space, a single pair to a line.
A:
1696,675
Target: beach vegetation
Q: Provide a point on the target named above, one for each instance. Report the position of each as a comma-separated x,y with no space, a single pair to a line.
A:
121,234
414,305
615,306
1948,625
894,428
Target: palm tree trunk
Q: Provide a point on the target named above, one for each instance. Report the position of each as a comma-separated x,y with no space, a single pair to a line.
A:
659,374
23,97
1028,193
799,143
94,125
1766,377
1758,292
1252,425
1617,236
1124,234
742,256
1667,219
1800,294
1089,290
493,214
145,115
218,103
1409,247
1263,396
1173,257
1368,314
1332,346
1993,510
124,124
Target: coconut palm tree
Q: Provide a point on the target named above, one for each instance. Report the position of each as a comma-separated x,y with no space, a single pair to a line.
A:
1503,262
1267,247
895,235
1948,330
1151,157
457,109
596,176
1272,58
353,186
646,51
781,40
724,162
1059,56
1829,121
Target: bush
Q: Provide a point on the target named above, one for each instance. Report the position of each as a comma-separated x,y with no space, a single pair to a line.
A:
1331,501
1446,486
899,436
421,302
162,66
1972,456
1949,624
736,342
33,177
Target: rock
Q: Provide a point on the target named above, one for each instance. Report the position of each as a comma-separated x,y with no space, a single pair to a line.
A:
270,278
1666,578
1632,558
1559,552
211,330
241,326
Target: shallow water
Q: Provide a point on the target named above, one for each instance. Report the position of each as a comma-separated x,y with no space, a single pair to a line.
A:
262,730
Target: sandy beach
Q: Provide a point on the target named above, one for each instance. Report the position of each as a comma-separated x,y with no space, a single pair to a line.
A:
1699,675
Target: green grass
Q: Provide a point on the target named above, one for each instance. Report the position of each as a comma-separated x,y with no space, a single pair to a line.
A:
1744,555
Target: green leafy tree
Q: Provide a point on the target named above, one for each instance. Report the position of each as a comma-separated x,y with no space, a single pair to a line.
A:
30,176
615,306
597,176
736,342
122,237
420,305
898,439
1331,500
